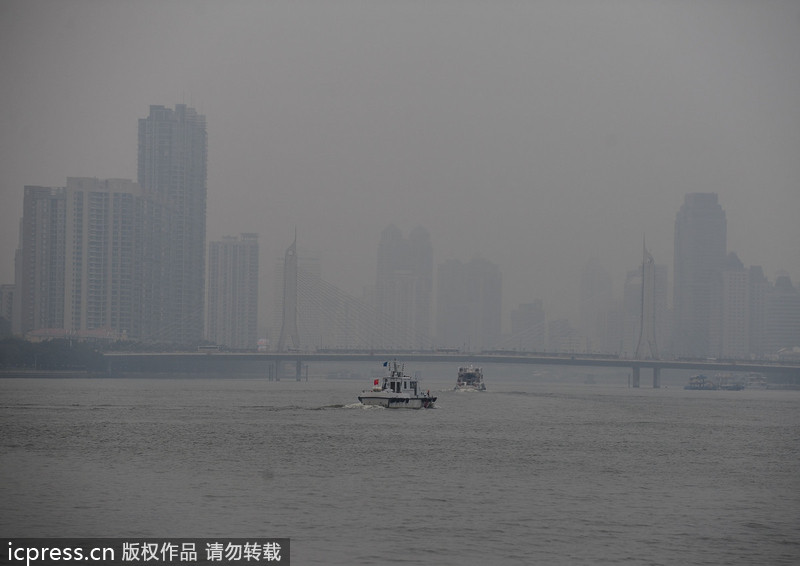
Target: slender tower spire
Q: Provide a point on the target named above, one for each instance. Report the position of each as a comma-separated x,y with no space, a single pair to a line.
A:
646,348
289,324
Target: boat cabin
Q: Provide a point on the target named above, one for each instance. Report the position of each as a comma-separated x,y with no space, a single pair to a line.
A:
401,384
398,382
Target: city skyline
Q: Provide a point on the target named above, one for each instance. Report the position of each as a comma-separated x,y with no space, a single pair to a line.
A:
531,136
84,269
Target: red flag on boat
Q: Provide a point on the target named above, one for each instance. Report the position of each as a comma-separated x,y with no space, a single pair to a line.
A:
376,382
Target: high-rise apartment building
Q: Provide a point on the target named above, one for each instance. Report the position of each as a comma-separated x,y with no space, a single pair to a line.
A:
404,288
172,170
735,309
81,258
469,305
700,253
233,292
782,316
40,263
103,268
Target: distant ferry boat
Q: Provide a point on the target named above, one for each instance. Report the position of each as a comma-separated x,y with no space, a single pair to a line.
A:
699,382
470,379
719,381
397,391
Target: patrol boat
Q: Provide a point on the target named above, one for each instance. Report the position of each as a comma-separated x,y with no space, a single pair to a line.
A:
470,379
397,391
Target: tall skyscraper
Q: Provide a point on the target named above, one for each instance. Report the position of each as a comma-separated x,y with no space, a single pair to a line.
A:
172,169
233,292
700,252
404,287
469,305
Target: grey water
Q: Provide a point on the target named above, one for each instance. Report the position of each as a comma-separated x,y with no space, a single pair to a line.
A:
533,471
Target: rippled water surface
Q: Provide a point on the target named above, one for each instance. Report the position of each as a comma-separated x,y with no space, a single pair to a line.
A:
529,472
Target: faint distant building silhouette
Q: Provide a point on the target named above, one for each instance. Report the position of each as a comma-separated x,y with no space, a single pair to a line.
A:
632,314
404,287
612,323
232,314
700,252
735,309
782,315
172,170
758,287
469,305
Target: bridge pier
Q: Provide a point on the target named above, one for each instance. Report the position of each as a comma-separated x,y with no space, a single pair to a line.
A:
636,376
656,378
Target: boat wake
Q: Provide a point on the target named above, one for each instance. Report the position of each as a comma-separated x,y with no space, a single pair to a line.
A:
281,408
362,406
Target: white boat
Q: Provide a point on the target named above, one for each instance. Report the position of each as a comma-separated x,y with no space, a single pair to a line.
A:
397,391
470,379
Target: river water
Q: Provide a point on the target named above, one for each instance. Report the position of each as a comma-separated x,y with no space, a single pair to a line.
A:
537,470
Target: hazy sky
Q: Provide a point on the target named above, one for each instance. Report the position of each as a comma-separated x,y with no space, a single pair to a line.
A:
534,134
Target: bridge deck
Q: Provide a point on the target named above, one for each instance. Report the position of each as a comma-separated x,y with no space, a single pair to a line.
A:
127,361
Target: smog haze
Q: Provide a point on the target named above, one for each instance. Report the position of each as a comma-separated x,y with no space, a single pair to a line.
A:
537,135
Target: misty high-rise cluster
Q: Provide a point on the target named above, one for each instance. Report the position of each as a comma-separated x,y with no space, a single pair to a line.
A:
118,260
114,258
720,308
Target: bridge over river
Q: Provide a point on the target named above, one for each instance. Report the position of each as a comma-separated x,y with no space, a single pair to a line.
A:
275,363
